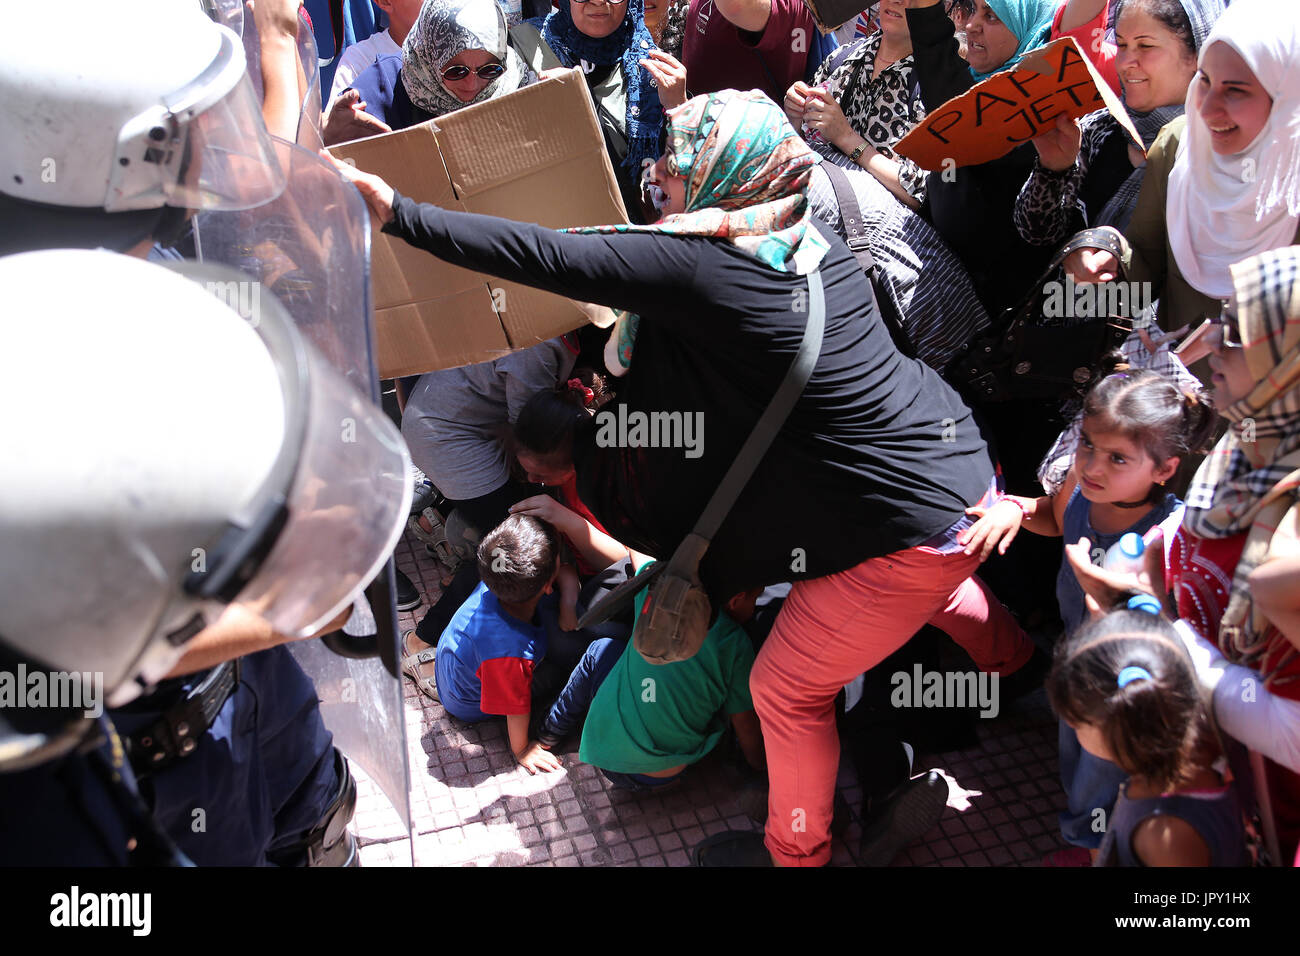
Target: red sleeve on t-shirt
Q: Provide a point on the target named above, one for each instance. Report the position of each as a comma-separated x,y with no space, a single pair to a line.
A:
507,684
1091,38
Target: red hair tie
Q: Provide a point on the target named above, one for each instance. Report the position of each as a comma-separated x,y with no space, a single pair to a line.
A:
575,385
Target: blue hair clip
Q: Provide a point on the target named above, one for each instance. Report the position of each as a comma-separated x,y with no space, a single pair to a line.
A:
1132,673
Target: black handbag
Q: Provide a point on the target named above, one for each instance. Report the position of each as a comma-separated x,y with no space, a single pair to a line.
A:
1024,356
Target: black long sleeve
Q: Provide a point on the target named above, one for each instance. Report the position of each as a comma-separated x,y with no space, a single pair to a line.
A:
880,452
940,70
637,271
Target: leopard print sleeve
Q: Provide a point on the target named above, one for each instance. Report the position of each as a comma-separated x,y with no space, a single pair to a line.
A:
1049,208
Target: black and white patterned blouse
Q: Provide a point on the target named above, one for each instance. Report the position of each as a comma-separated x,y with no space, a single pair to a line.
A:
881,110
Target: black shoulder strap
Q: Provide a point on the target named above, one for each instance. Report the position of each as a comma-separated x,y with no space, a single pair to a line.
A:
688,554
855,235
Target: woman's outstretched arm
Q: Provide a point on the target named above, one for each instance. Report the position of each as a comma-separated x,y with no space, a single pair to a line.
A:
635,271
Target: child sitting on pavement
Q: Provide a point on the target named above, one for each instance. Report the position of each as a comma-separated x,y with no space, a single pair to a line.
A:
491,653
646,723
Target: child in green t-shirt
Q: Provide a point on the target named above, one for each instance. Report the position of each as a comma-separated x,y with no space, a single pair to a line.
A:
646,723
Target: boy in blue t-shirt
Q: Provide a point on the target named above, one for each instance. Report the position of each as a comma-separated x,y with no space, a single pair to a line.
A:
488,653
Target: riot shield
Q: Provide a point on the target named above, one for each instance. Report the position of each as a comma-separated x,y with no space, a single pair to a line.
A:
310,247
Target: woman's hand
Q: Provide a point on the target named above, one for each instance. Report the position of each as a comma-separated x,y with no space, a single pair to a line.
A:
823,114
278,16
1059,148
377,193
1088,266
670,75
796,98
546,508
997,527
347,120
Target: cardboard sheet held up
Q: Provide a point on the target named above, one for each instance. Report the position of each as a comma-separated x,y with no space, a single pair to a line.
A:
1012,107
535,155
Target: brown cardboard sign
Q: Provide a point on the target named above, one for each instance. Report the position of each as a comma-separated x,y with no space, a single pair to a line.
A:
534,155
1013,107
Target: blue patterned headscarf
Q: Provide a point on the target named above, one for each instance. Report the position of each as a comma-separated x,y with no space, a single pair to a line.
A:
1029,20
629,44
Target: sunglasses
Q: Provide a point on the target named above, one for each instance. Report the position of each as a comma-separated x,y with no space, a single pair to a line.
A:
611,3
1229,330
456,73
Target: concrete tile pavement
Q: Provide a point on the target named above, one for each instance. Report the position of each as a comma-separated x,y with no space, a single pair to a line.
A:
471,805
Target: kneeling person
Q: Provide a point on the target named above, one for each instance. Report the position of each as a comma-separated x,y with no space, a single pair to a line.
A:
488,654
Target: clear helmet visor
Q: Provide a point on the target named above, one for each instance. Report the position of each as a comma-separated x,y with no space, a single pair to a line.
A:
205,147
230,162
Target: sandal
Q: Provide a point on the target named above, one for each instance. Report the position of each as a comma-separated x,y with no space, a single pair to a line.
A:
448,557
429,539
435,542
413,667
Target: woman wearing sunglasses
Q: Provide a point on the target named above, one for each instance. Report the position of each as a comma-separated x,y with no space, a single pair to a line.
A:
1233,568
455,55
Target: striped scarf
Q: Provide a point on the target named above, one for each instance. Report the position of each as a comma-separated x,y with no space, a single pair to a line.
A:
1229,494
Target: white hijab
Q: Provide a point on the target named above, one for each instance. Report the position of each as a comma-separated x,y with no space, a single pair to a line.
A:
1222,209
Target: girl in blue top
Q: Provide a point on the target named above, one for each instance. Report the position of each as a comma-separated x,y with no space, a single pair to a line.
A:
1137,429
1126,686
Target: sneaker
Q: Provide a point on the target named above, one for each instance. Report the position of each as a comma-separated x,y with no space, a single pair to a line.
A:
408,596
1070,856
1025,680
732,848
907,815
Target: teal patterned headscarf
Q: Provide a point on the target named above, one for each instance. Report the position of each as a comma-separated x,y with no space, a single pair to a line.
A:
747,174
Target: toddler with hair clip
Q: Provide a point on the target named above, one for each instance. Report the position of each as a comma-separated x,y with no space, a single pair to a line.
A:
1128,689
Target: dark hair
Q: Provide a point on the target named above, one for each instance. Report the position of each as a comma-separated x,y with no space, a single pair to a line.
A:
548,422
1169,13
1154,726
517,558
1149,408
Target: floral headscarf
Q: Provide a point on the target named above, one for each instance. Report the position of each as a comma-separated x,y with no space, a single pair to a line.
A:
747,174
1230,494
444,30
628,45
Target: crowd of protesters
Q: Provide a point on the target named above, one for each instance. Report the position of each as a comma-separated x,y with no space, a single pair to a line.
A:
888,485
756,158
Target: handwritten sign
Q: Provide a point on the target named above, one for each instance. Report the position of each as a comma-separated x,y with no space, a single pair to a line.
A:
1012,107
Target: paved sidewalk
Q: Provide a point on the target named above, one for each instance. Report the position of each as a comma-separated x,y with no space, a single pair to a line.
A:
472,806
